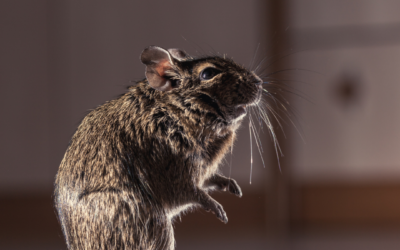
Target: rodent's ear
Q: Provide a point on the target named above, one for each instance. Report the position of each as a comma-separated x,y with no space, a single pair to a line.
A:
178,54
158,61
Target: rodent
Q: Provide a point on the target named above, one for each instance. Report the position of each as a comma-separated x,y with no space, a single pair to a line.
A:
138,161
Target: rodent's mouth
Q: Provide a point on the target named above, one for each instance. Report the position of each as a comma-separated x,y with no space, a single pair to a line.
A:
240,110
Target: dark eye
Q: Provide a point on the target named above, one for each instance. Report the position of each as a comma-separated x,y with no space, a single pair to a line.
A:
209,73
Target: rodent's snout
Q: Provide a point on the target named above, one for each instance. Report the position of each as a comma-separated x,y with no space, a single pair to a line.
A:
258,81
259,84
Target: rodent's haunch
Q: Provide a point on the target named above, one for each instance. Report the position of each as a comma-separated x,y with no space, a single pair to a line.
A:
136,162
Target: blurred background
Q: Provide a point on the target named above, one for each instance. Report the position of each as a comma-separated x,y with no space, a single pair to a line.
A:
339,184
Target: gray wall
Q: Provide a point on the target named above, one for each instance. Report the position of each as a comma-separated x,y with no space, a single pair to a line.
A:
352,127
63,58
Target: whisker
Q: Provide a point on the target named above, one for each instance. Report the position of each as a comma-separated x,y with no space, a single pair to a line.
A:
290,110
260,122
286,89
259,64
230,168
276,116
254,57
294,69
253,127
258,143
251,152
287,111
282,81
265,118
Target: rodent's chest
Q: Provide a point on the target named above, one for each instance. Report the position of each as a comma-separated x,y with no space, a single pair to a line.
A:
181,136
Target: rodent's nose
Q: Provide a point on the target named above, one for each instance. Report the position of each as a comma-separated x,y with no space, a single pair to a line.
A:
258,81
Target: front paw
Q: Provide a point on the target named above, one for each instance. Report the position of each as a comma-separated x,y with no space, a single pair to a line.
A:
211,205
234,188
224,184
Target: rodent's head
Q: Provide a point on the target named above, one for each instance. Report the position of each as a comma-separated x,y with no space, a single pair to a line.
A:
209,84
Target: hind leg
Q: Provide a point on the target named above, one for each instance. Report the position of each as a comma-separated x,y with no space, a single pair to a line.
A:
108,221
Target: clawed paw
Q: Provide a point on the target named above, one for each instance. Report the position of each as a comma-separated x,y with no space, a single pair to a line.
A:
234,188
216,208
231,185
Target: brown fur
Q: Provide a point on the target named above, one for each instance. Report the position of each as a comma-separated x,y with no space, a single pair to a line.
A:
136,162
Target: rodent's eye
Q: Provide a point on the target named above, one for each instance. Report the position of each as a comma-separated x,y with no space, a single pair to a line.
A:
209,73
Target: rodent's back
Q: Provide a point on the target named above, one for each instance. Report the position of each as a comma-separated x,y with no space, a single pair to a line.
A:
100,186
